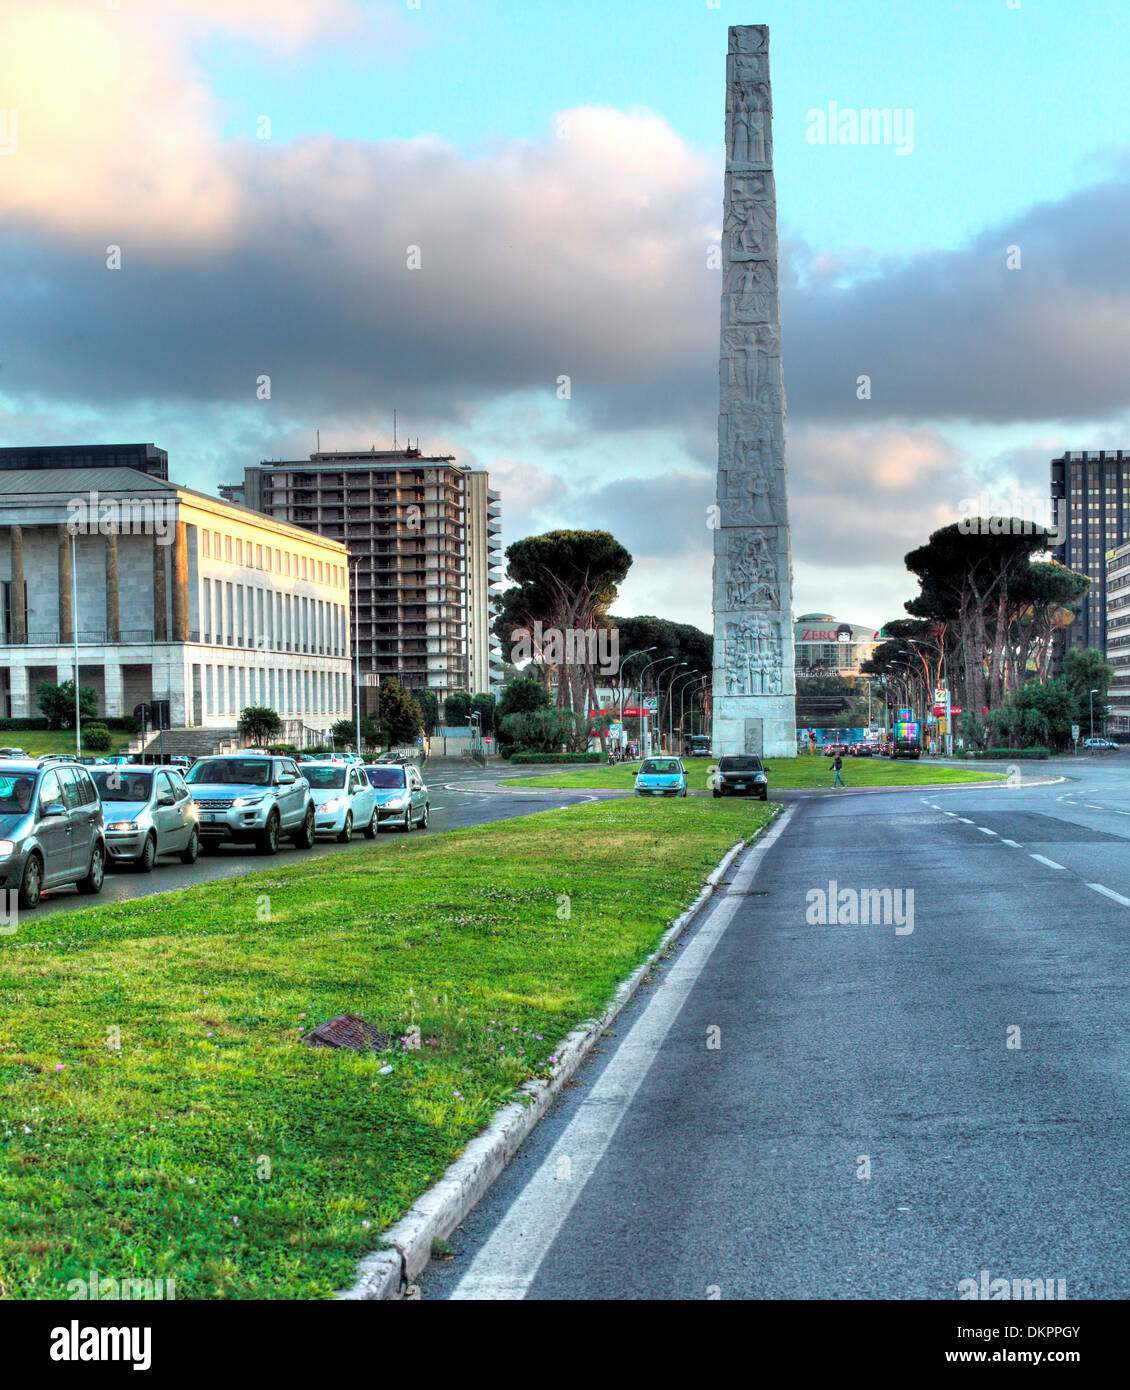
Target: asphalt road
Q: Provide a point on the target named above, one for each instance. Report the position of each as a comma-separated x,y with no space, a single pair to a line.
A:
459,797
803,1110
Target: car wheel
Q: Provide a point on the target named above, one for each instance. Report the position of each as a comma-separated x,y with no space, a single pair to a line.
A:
92,882
191,851
424,818
345,834
148,855
268,842
764,796
31,885
305,837
408,822
370,831
716,792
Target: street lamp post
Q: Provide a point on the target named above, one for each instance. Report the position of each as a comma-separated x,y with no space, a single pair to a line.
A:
674,674
1092,698
74,634
675,680
643,652
941,650
659,661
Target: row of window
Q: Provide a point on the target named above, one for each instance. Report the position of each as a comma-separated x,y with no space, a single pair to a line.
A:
235,551
292,694
238,615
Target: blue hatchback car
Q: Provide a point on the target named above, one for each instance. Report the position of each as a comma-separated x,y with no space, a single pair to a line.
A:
661,777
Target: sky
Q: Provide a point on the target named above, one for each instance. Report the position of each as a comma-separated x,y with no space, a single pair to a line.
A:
499,220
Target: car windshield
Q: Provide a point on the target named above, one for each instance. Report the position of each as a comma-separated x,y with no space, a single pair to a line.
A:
385,776
17,790
739,764
324,778
237,772
660,765
123,786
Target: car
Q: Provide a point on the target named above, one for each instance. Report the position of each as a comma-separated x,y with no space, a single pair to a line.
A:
740,774
12,753
251,799
864,750
148,812
661,777
51,830
344,800
403,801
906,748
700,746
120,758
1097,742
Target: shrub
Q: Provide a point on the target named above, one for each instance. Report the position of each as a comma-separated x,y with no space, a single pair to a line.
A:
1010,755
97,738
524,757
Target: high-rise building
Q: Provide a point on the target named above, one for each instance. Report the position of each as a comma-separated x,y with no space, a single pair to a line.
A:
1091,504
143,458
422,532
1118,638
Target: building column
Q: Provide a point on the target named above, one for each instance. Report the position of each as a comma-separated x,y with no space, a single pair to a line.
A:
180,583
113,619
19,615
66,616
19,691
160,601
113,693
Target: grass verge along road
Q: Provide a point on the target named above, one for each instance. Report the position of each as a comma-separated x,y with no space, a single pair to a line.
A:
785,774
159,1117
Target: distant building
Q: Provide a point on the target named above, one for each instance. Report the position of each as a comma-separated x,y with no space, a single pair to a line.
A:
1118,637
180,597
1091,492
825,646
424,533
145,458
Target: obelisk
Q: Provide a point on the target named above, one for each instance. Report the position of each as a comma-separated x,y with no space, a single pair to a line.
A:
754,689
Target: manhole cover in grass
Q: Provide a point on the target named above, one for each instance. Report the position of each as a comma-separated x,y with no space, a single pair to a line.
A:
350,1031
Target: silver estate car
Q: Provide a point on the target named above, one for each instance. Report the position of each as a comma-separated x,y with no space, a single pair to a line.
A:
402,799
148,811
343,800
51,830
252,799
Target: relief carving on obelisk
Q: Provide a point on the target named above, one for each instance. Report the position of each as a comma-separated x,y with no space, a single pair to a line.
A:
753,636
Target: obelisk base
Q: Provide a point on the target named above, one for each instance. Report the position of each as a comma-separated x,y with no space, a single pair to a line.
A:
762,724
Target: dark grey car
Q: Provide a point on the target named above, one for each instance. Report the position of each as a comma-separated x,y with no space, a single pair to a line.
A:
51,830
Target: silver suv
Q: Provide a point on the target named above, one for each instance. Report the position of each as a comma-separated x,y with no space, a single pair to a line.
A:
51,830
251,799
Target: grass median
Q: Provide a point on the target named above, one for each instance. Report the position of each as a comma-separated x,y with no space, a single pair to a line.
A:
785,774
159,1117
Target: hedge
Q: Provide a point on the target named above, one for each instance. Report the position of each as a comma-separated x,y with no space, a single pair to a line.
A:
122,724
553,758
1009,754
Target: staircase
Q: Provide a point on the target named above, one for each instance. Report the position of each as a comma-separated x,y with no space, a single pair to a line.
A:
185,743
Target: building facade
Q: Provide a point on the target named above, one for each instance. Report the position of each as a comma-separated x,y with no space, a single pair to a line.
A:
172,595
422,532
1091,504
145,458
1118,638
825,646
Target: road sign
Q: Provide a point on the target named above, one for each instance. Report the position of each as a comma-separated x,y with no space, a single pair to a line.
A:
651,703
1075,733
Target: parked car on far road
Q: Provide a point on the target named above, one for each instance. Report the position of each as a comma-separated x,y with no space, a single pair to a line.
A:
661,777
251,800
403,801
148,812
741,774
1097,742
51,830
344,800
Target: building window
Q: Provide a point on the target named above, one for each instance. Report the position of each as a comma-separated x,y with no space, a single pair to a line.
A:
227,549
207,543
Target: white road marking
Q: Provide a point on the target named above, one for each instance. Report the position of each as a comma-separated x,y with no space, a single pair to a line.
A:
985,830
1110,893
1049,862
507,1263
965,820
1014,843
1091,807
950,813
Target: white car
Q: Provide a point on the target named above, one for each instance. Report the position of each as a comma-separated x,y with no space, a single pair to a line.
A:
1099,743
343,800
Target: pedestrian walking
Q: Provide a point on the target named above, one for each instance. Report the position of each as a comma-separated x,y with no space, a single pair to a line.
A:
838,764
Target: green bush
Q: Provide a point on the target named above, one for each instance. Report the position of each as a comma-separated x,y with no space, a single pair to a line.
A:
97,738
1011,755
23,725
524,757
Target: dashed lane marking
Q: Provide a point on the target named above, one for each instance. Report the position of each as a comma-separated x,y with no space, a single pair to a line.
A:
1049,862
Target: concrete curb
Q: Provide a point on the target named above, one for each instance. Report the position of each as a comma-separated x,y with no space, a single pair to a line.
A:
385,1273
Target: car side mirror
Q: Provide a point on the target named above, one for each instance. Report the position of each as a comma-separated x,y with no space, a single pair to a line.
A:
285,779
166,799
766,768
56,808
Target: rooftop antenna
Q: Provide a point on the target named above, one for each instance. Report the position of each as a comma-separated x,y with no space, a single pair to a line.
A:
394,429
319,434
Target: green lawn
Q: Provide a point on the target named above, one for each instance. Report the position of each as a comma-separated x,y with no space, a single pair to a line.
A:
211,1146
36,743
784,774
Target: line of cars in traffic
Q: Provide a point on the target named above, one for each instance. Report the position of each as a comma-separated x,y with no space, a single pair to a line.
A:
879,748
63,822
741,774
